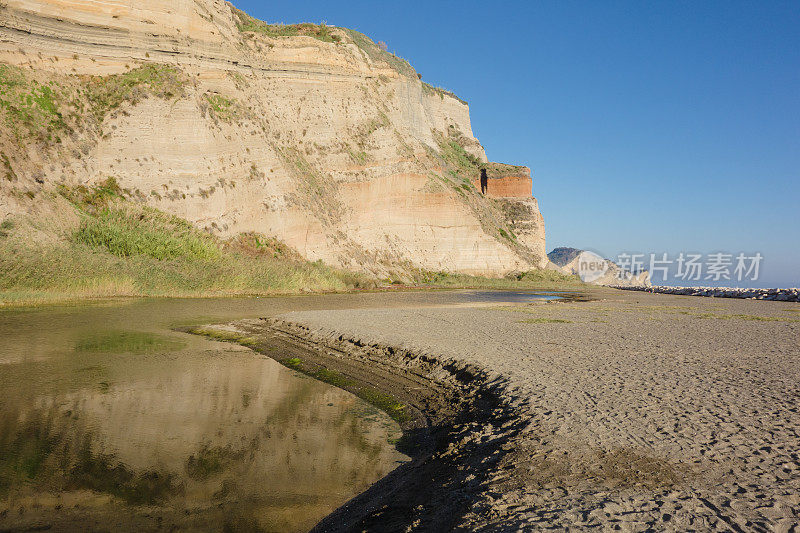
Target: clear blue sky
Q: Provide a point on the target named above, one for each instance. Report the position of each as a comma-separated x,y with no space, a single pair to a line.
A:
649,126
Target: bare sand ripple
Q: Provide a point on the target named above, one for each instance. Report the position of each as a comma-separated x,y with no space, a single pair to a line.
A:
644,411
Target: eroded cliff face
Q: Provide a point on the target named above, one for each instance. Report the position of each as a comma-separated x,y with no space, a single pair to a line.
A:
321,140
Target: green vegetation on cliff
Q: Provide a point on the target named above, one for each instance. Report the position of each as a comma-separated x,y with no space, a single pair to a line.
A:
245,23
31,108
322,32
107,93
43,107
457,158
222,107
460,168
94,243
378,53
427,88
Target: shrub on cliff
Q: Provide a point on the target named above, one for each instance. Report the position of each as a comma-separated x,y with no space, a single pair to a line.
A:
246,23
31,108
107,93
380,55
112,247
129,230
44,107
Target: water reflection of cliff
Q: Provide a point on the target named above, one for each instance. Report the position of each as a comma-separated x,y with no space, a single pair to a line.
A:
198,441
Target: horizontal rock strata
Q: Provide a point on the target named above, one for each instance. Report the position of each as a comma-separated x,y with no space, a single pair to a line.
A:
329,143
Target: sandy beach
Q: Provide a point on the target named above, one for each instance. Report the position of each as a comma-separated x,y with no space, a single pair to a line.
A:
633,411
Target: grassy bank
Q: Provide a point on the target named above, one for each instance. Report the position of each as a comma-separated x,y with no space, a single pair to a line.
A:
533,279
91,243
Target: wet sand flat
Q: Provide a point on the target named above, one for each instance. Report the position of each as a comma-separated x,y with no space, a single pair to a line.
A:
641,411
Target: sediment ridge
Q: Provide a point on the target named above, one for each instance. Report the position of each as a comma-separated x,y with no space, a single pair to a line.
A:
458,421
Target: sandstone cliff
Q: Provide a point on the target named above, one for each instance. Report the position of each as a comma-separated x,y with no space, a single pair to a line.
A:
307,133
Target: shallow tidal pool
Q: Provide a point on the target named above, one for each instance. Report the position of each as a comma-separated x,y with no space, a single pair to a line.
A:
110,420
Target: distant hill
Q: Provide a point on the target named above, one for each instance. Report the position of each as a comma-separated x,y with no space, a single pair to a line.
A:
566,259
562,256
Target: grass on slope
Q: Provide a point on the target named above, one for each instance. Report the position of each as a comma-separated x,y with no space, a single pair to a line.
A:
104,246
532,279
44,109
460,168
129,231
378,54
31,108
427,88
107,93
125,249
322,32
245,23
457,157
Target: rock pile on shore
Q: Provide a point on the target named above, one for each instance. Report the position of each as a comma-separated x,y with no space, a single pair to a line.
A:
782,295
